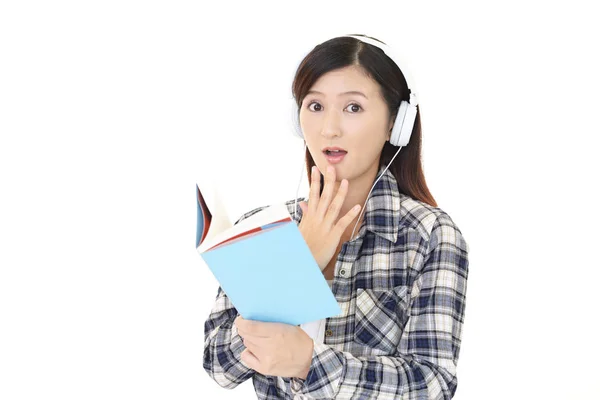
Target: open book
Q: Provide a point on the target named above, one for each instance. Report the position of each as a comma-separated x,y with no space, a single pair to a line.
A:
263,264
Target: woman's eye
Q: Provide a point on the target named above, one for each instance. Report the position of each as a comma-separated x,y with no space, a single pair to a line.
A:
310,104
354,110
355,105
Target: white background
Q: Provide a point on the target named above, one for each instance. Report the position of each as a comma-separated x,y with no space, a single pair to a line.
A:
111,111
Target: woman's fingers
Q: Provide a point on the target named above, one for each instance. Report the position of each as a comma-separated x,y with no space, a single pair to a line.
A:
336,205
328,207
315,188
350,216
302,207
327,194
318,226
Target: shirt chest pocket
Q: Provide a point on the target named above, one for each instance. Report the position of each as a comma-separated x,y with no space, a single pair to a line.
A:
380,317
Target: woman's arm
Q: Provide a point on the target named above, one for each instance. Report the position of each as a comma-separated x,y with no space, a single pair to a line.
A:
222,343
425,367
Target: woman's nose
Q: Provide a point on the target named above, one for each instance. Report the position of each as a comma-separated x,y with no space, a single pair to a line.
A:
331,124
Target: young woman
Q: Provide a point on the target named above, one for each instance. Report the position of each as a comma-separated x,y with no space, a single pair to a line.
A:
400,279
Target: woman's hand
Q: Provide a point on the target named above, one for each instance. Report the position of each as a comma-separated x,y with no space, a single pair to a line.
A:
274,348
318,227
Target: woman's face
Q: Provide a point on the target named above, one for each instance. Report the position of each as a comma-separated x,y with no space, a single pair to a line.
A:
330,117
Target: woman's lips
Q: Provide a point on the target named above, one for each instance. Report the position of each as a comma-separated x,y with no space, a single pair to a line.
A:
335,157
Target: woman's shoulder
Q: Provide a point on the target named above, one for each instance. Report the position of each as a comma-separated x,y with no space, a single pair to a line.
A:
428,220
296,212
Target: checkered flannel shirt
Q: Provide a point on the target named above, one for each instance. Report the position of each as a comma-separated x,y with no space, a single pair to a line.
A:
401,285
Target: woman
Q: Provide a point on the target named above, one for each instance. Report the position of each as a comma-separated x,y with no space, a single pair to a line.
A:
400,281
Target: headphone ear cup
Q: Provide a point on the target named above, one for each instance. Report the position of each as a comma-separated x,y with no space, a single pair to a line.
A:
408,124
296,130
395,136
403,124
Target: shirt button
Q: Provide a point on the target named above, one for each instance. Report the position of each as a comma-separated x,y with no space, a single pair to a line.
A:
328,332
343,272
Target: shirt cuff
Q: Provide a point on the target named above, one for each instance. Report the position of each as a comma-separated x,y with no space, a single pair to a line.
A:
324,375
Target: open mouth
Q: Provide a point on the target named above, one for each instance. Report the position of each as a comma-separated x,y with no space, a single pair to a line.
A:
335,153
335,157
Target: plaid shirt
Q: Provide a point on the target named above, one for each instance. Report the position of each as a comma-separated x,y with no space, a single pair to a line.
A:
401,285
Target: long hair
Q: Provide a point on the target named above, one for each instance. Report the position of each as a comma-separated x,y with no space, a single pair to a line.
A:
344,51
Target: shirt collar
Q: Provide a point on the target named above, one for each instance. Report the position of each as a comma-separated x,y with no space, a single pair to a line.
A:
382,211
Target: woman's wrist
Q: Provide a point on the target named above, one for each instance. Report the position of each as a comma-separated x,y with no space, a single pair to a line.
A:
304,372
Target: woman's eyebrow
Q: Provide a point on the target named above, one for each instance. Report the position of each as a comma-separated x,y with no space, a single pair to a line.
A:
341,94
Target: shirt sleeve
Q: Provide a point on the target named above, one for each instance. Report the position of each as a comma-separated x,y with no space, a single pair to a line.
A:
425,364
222,343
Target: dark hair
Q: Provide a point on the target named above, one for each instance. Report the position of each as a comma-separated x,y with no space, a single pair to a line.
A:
344,51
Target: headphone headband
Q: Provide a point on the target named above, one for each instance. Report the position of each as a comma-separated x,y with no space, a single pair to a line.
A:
403,124
407,111
398,60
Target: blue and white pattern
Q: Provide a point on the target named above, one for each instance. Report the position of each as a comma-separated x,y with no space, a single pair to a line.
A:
401,285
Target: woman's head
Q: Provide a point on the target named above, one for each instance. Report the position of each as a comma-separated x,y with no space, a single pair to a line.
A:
361,125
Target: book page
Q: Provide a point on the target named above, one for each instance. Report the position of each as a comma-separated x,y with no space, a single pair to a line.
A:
219,221
271,215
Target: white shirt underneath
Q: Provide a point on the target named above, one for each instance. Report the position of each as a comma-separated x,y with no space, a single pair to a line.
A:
316,329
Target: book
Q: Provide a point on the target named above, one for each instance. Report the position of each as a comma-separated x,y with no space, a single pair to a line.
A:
263,264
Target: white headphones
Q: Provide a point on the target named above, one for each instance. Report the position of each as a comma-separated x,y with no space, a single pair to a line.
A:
403,125
407,112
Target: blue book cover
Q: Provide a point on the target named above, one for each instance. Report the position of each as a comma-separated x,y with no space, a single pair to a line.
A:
265,267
